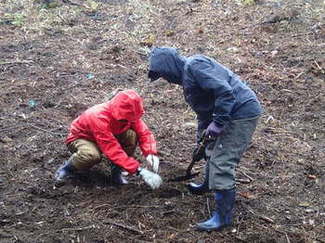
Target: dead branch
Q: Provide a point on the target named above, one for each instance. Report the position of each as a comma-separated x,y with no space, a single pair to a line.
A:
16,62
267,219
119,207
288,240
177,230
72,3
41,129
245,181
78,229
208,206
10,128
243,173
107,221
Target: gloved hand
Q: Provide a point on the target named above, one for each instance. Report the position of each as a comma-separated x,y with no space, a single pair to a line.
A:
151,179
214,130
153,160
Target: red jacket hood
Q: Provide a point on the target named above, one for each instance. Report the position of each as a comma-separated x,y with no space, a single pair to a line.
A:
126,105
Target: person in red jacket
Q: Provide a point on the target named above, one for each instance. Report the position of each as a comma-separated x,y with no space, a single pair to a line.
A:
113,129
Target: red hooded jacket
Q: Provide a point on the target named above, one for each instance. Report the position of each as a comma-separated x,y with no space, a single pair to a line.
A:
102,122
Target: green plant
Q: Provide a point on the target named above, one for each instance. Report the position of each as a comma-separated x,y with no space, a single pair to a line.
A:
92,5
249,2
16,19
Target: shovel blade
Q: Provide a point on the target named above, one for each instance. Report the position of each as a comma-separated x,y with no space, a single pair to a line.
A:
184,177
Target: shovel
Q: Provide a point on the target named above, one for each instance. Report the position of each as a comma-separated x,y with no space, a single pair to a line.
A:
197,155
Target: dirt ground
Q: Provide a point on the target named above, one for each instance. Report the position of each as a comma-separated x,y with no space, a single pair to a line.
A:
58,57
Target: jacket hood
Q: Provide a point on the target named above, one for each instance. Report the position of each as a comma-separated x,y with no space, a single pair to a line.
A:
126,105
166,62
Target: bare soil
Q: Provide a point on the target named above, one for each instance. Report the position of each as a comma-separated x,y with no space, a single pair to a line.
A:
58,57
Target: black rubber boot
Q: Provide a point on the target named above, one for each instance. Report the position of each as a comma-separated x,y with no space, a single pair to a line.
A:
64,172
200,189
117,177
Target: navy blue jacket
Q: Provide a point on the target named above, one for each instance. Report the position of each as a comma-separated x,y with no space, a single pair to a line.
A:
213,91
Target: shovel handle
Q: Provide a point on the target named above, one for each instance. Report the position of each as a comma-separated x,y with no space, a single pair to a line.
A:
190,167
202,144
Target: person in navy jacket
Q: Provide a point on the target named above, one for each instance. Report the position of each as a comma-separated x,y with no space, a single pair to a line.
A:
227,110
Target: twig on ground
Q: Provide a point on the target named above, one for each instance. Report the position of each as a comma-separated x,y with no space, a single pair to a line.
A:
119,207
299,75
243,181
16,62
177,230
267,219
288,240
317,65
250,178
107,221
41,129
72,3
78,229
10,128
208,206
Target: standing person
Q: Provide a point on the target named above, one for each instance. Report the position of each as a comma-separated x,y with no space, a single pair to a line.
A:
113,129
227,110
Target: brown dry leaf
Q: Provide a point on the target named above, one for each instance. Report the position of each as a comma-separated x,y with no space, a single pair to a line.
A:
304,204
200,31
169,33
172,236
149,40
247,195
312,177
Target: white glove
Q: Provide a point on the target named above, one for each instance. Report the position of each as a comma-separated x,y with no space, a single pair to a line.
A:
151,179
153,160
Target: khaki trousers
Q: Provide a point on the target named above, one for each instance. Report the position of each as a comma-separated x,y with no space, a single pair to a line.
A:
86,154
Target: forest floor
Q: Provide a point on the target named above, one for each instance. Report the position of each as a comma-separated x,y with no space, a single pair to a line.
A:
58,57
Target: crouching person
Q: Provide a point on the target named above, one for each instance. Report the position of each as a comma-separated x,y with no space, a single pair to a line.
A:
113,129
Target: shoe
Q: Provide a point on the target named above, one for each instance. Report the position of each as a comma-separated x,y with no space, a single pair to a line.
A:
211,224
223,216
198,189
117,176
64,172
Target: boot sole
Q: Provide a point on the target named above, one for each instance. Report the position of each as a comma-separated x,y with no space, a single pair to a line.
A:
213,229
59,183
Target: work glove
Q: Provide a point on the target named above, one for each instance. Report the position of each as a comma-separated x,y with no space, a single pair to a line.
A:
151,179
153,161
214,130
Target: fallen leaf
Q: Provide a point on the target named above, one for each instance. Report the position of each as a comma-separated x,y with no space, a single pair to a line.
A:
312,177
148,41
170,33
247,195
304,204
